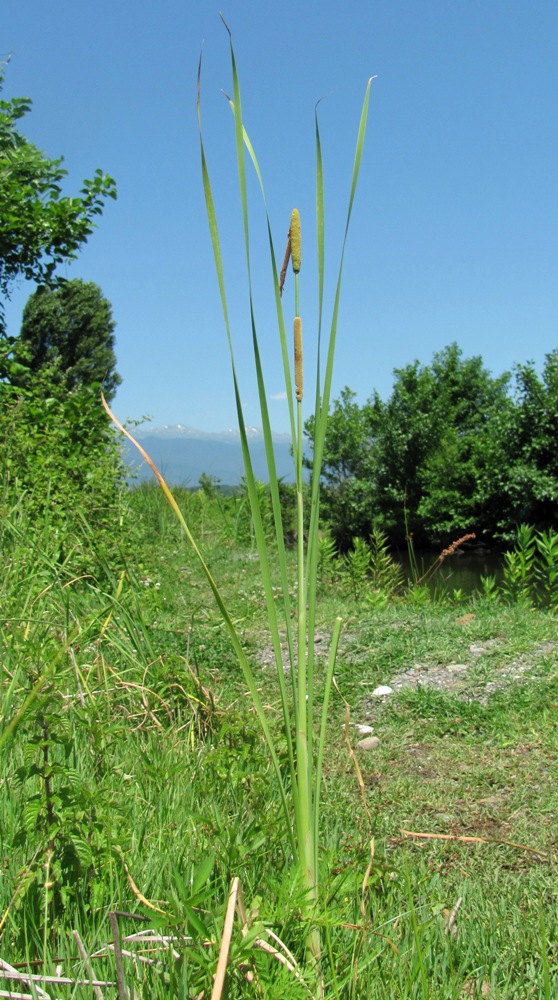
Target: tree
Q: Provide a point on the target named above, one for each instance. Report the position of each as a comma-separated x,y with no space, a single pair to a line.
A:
459,470
40,228
348,468
426,460
58,454
70,330
529,493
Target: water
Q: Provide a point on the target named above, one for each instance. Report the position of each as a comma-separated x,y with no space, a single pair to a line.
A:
457,572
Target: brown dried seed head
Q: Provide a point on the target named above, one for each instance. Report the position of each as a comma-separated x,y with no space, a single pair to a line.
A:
286,259
298,357
296,246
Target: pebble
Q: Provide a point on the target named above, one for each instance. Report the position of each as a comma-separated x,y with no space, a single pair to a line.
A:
382,691
363,730
370,743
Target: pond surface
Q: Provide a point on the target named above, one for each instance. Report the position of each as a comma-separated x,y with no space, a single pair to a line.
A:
457,572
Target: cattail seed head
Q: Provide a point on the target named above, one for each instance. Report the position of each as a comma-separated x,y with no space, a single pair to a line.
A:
298,357
296,247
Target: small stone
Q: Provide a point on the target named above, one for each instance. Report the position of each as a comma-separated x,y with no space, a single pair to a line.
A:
370,743
382,691
363,730
477,650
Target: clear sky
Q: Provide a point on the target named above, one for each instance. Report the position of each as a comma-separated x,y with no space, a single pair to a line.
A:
455,230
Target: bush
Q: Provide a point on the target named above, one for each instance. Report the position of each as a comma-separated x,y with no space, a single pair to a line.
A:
61,464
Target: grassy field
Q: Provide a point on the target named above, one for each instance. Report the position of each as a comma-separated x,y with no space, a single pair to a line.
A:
134,779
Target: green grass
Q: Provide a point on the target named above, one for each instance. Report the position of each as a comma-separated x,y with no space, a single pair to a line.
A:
156,764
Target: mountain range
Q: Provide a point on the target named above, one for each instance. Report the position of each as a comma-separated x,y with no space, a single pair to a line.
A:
182,454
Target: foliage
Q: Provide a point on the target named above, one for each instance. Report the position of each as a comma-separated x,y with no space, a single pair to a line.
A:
56,447
528,483
530,574
453,449
59,452
160,791
70,331
368,568
41,228
299,782
348,505
132,784
245,526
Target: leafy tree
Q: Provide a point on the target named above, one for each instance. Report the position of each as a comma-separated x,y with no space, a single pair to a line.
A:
424,459
40,228
348,469
70,330
530,491
58,457
459,473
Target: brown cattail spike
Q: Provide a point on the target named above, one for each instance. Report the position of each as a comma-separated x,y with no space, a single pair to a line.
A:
298,357
286,259
296,246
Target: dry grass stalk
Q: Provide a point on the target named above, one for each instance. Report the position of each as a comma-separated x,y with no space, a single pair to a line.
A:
221,971
352,755
137,892
122,991
473,840
22,977
450,917
22,884
87,963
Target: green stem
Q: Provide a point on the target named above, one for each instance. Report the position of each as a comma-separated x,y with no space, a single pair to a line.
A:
304,802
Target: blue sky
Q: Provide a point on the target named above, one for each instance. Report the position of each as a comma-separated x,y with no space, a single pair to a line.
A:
455,229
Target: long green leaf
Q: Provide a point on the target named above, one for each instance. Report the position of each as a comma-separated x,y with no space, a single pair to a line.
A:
322,408
253,496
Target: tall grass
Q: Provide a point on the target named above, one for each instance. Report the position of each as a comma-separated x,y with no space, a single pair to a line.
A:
304,719
155,779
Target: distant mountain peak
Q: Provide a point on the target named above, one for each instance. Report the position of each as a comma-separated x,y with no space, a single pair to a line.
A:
173,431
183,454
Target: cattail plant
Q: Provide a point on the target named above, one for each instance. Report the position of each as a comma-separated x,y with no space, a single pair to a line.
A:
304,721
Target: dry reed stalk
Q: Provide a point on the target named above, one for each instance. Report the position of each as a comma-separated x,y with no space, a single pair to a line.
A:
473,840
352,754
22,977
87,963
122,991
221,971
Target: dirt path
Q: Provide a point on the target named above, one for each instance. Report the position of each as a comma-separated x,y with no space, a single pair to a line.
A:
474,679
